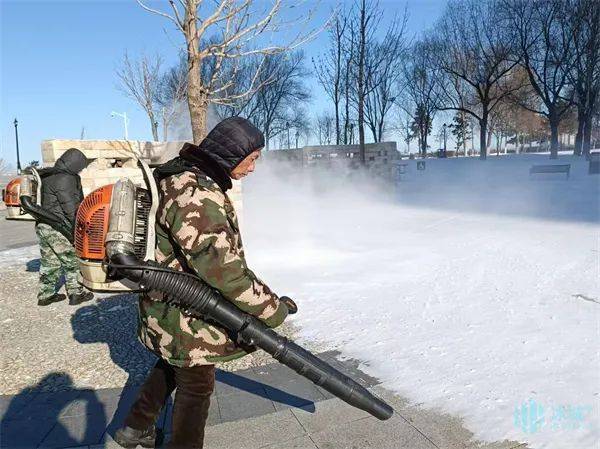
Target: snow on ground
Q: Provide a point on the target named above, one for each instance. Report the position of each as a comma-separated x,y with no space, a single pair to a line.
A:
473,289
19,255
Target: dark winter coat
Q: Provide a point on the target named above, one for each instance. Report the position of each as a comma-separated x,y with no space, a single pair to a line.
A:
61,185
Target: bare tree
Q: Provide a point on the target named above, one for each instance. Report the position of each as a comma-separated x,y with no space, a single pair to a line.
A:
474,54
585,76
547,53
364,22
300,122
421,90
349,79
325,128
329,68
140,81
171,95
237,24
383,73
275,106
4,166
403,119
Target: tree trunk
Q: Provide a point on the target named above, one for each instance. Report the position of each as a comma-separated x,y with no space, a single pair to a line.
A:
337,120
267,138
361,82
197,96
165,126
424,144
472,139
498,144
554,122
154,125
587,136
197,104
483,138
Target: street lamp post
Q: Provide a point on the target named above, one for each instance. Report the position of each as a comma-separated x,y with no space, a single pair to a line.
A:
125,120
17,141
287,125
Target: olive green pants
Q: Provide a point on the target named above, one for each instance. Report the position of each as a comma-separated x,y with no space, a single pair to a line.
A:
57,257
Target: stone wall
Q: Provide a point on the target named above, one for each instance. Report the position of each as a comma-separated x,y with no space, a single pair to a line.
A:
116,159
152,153
380,157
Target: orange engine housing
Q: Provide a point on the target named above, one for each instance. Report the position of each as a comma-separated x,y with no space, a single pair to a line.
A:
91,224
10,194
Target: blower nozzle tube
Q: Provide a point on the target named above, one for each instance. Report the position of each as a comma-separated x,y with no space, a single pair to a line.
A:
43,216
194,295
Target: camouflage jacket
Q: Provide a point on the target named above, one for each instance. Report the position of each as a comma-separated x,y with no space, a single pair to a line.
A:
197,226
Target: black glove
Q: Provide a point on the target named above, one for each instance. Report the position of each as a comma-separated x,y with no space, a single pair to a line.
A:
291,305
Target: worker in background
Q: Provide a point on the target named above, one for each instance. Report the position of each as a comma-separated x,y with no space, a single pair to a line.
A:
61,195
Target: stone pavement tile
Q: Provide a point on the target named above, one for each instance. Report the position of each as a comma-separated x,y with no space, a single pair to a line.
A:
10,405
232,382
24,433
47,405
276,374
244,405
370,433
444,430
117,403
300,393
110,397
303,442
75,431
327,414
499,445
89,402
254,433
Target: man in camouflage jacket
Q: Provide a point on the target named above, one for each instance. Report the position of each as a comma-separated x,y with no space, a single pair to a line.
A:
198,232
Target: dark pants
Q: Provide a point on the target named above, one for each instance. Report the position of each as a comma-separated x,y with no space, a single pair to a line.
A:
190,410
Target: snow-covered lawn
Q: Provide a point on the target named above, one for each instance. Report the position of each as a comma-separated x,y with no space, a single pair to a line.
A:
473,289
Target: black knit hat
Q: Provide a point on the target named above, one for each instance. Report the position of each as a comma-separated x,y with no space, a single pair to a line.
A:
225,146
231,141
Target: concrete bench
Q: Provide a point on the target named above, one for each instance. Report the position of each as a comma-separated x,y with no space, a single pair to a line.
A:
554,168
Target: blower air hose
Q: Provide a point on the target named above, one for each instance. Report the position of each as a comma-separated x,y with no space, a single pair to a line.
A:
46,217
192,294
195,296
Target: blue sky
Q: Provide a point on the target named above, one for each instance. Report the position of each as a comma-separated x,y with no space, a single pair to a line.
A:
58,59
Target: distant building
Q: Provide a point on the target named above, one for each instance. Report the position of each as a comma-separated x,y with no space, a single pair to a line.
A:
378,156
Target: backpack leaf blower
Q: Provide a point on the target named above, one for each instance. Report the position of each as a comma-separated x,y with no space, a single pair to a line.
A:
10,196
30,198
190,293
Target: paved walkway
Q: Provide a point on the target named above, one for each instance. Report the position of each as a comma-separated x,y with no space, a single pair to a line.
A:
15,234
261,407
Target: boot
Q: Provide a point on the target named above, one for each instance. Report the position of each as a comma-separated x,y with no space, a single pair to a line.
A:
80,297
54,298
130,438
